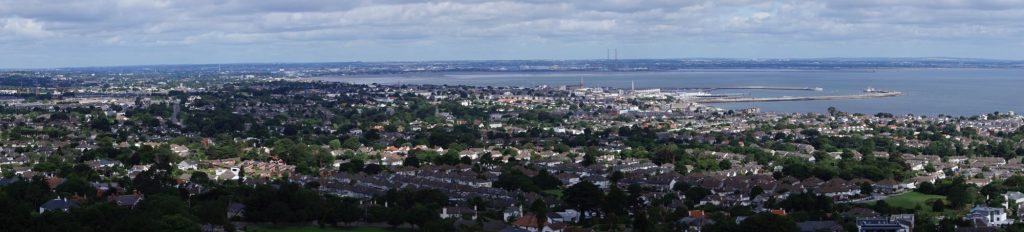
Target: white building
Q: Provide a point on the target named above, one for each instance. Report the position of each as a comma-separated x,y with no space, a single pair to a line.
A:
984,216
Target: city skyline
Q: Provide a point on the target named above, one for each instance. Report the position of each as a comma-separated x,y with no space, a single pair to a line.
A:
112,33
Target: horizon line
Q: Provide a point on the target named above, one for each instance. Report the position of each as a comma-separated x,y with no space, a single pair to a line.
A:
492,60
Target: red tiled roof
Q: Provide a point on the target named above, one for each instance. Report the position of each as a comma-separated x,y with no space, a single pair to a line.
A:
697,213
528,221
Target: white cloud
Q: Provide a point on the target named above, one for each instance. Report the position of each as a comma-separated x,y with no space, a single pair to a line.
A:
24,27
136,24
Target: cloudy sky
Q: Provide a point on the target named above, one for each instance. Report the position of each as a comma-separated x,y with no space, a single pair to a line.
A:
62,33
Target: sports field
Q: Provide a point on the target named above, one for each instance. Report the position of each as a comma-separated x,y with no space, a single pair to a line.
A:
910,200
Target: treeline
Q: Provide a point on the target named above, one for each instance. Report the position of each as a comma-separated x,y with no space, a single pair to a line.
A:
169,208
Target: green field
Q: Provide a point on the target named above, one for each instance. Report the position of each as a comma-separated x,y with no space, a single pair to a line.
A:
318,229
910,200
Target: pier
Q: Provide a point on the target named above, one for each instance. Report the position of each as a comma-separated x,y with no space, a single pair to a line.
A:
788,88
801,98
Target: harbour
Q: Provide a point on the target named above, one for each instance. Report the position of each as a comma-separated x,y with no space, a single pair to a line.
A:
923,91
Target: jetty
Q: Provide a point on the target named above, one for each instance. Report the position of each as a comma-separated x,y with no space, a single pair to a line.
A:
748,87
877,94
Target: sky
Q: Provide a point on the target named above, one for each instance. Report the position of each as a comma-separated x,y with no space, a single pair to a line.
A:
75,33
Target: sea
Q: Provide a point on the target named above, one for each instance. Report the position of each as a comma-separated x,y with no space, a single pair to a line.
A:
955,91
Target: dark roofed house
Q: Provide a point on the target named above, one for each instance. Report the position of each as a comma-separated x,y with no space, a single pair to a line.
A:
819,226
514,229
129,201
887,186
458,213
59,204
7,181
236,210
529,222
880,225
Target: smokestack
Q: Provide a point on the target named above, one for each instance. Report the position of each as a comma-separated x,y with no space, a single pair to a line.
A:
616,54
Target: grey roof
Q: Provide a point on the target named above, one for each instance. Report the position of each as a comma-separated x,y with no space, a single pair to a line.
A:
513,229
58,204
7,181
816,225
127,200
1014,195
236,207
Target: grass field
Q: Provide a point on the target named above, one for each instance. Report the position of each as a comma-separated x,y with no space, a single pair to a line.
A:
318,229
910,200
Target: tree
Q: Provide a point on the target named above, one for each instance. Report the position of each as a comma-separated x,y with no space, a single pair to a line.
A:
584,196
334,144
420,215
615,202
866,188
354,165
545,180
411,161
756,190
588,160
962,195
540,210
351,143
199,178
372,169
76,186
616,176
695,194
173,223
724,165
515,179
666,154
938,206
926,188
641,223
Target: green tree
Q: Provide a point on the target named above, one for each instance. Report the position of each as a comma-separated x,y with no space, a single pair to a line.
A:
545,180
334,144
962,195
724,165
584,196
540,211
411,161
615,202
351,143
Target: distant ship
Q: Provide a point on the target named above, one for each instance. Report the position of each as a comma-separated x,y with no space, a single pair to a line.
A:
873,90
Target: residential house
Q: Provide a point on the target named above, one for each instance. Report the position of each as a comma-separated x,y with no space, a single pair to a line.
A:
820,226
529,222
1014,197
187,165
59,204
881,225
129,201
984,216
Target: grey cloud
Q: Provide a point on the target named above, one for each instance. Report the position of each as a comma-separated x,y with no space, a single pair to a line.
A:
137,24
